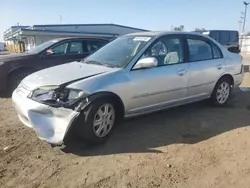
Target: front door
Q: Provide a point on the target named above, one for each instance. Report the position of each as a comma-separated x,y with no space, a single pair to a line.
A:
206,66
65,52
69,51
164,85
58,57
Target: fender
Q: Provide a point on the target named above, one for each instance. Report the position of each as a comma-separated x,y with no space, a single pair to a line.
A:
84,103
19,68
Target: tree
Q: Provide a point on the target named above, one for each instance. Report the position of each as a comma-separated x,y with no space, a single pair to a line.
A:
200,29
180,28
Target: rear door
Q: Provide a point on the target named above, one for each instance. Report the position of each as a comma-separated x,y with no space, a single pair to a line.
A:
206,65
79,49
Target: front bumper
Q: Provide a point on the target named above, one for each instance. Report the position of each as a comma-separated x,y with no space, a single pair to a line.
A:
50,124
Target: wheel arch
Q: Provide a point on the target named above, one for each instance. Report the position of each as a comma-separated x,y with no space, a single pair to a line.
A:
13,73
17,69
111,95
227,76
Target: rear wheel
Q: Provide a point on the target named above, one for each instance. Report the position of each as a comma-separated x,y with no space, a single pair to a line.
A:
222,92
96,123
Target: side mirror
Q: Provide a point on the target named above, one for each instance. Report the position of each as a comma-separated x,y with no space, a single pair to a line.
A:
233,49
50,52
146,63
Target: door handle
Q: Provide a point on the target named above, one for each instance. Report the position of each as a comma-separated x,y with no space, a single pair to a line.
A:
181,72
219,67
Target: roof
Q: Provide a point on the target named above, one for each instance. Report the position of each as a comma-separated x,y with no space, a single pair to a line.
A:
52,29
59,31
155,33
117,25
17,27
69,38
221,30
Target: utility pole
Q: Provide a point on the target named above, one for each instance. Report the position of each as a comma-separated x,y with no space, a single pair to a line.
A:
244,22
61,19
240,22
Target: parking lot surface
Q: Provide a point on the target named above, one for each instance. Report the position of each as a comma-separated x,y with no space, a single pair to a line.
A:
191,146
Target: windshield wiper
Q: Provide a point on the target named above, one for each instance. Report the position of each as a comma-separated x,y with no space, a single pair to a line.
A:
96,63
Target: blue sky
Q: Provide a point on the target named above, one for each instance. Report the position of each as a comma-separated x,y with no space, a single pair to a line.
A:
146,14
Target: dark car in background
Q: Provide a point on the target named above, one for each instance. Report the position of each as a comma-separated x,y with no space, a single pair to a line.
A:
14,67
228,38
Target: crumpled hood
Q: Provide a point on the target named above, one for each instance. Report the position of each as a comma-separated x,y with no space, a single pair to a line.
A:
61,74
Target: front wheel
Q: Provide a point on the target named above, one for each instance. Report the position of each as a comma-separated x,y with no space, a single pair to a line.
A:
96,123
222,92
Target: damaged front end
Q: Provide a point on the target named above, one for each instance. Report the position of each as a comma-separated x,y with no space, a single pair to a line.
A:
60,96
50,110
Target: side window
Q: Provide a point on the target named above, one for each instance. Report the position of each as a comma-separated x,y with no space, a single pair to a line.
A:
75,48
60,49
199,50
167,50
159,49
216,52
94,45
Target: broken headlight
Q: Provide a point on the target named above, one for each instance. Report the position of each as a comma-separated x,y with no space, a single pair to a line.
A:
56,96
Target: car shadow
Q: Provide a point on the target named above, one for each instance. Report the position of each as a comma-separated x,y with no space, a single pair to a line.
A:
188,124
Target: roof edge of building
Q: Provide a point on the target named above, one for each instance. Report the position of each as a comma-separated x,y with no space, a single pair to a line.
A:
56,25
73,32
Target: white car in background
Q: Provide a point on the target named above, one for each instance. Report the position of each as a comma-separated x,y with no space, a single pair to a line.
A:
2,46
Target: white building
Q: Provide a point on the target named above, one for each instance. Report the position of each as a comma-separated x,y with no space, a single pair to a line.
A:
37,34
245,44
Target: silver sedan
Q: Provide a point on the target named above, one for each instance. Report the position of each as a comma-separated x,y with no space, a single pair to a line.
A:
135,74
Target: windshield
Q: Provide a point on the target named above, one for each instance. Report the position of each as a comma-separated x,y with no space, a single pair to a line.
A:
42,46
119,52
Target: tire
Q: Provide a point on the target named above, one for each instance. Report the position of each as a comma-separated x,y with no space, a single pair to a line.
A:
84,126
16,78
222,92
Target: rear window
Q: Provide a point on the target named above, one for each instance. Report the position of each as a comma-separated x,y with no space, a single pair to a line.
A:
225,37
215,35
234,36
